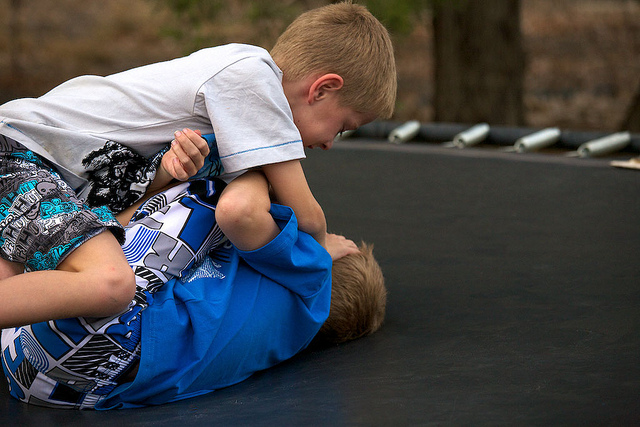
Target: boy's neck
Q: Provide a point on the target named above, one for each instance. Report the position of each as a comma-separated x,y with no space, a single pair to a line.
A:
297,91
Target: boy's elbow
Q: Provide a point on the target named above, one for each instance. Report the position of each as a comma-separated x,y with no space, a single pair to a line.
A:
314,222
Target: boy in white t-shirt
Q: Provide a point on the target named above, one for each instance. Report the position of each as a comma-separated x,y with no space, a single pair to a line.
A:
96,140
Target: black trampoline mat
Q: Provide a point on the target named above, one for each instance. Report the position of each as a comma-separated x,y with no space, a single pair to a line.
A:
513,300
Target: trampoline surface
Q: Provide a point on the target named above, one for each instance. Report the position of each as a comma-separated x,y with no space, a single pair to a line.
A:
513,300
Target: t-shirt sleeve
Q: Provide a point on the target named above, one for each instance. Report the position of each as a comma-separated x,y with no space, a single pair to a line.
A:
251,116
293,259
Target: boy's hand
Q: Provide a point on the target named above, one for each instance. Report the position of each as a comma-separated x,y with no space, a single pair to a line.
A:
186,156
340,246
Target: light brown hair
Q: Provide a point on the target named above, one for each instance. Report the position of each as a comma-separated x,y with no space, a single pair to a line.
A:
358,299
345,39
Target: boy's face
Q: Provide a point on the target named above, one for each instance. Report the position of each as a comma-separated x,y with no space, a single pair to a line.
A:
320,125
322,117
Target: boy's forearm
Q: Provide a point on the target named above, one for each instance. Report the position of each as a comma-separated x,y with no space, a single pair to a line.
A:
161,180
290,188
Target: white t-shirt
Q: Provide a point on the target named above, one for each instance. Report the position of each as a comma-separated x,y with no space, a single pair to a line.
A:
234,91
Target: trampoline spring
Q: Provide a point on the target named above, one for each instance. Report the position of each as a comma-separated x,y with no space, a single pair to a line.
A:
605,145
537,140
405,132
472,136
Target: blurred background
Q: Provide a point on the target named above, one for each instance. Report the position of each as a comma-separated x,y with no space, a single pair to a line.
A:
574,64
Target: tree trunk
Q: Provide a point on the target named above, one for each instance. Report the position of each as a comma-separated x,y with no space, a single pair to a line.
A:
632,120
479,62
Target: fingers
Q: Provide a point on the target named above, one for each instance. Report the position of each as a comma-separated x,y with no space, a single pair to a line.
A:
350,246
339,246
190,150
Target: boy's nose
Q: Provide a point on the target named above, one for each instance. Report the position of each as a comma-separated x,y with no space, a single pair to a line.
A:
327,145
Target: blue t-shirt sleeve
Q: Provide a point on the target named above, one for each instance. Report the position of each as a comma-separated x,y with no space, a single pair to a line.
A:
303,268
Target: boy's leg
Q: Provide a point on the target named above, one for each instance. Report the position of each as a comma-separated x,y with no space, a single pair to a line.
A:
243,214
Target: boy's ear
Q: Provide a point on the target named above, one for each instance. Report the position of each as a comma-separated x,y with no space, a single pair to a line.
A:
323,86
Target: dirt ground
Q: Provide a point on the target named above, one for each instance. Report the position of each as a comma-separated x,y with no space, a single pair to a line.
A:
583,63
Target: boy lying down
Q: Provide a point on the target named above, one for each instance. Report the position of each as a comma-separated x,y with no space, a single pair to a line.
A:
207,313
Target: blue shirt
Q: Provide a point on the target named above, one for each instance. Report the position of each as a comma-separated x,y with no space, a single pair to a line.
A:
235,314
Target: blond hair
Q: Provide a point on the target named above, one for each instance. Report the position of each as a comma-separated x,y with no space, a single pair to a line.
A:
345,39
358,299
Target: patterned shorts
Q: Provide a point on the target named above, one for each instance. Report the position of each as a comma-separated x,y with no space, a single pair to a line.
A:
41,218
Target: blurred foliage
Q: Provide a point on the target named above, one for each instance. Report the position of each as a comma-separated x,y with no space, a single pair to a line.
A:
194,16
581,54
196,11
400,16
270,10
201,23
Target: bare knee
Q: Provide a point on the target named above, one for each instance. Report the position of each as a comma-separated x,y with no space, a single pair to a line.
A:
243,203
245,220
235,211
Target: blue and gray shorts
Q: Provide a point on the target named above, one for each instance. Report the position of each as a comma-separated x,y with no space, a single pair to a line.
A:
42,219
